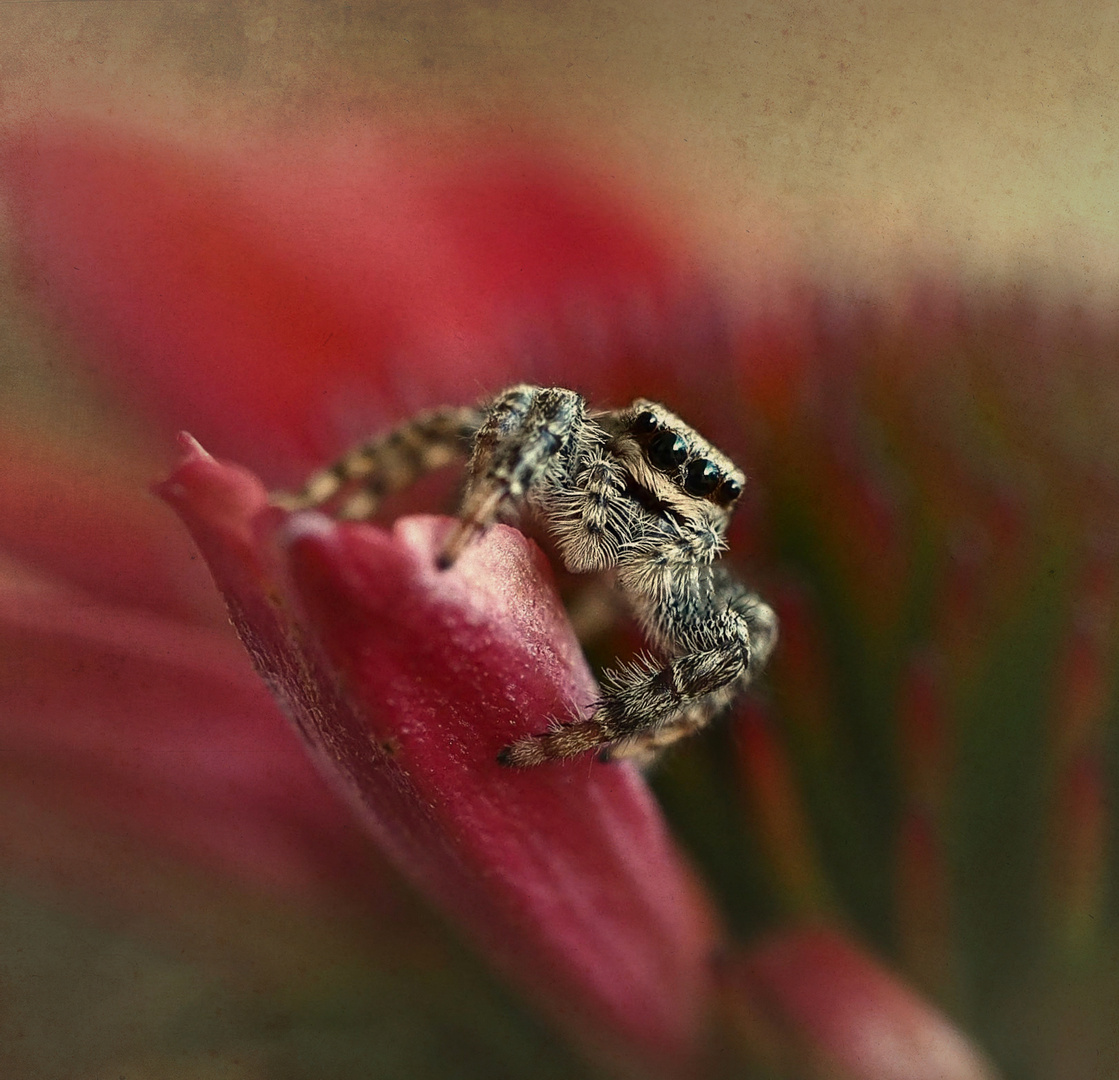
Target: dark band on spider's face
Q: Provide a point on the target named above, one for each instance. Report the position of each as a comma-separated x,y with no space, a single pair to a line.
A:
666,451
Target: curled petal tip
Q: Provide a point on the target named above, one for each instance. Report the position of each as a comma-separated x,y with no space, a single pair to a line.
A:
172,489
190,446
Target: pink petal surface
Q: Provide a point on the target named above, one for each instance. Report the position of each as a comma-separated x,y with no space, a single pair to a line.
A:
126,723
406,681
129,714
842,1016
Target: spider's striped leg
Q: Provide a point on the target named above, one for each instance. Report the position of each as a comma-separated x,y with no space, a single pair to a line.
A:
355,484
644,749
527,434
641,701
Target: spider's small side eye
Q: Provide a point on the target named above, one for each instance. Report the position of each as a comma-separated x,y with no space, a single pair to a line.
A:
729,491
667,451
645,422
702,477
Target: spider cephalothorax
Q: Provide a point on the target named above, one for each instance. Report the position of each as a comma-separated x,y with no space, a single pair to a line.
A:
634,491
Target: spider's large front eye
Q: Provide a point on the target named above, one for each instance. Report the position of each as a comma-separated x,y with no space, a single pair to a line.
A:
667,451
645,422
702,477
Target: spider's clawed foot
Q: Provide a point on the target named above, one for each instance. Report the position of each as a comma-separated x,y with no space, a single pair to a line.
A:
478,514
564,741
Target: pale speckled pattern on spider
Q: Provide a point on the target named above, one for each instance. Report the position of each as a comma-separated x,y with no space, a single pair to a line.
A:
634,491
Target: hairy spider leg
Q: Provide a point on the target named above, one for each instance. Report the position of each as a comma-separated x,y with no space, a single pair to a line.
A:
359,481
645,748
639,700
527,436
647,705
761,623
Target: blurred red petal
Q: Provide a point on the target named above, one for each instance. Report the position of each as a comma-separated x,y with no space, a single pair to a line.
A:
406,681
174,279
82,520
125,723
128,715
283,302
813,1001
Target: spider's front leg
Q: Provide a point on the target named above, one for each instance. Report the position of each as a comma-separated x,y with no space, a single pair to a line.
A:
640,700
526,442
647,706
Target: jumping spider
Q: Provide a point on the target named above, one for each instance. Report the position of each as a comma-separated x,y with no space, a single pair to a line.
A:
634,491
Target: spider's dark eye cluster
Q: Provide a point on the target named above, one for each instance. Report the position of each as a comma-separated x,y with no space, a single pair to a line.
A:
667,451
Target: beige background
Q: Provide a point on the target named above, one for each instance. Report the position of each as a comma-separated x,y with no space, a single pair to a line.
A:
869,137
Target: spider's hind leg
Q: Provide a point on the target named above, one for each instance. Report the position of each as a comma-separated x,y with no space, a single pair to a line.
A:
356,483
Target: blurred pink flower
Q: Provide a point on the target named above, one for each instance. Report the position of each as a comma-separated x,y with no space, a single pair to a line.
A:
405,682
280,303
819,1007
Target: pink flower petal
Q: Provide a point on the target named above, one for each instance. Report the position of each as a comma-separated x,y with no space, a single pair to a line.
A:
123,723
812,1000
406,682
128,712
284,302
